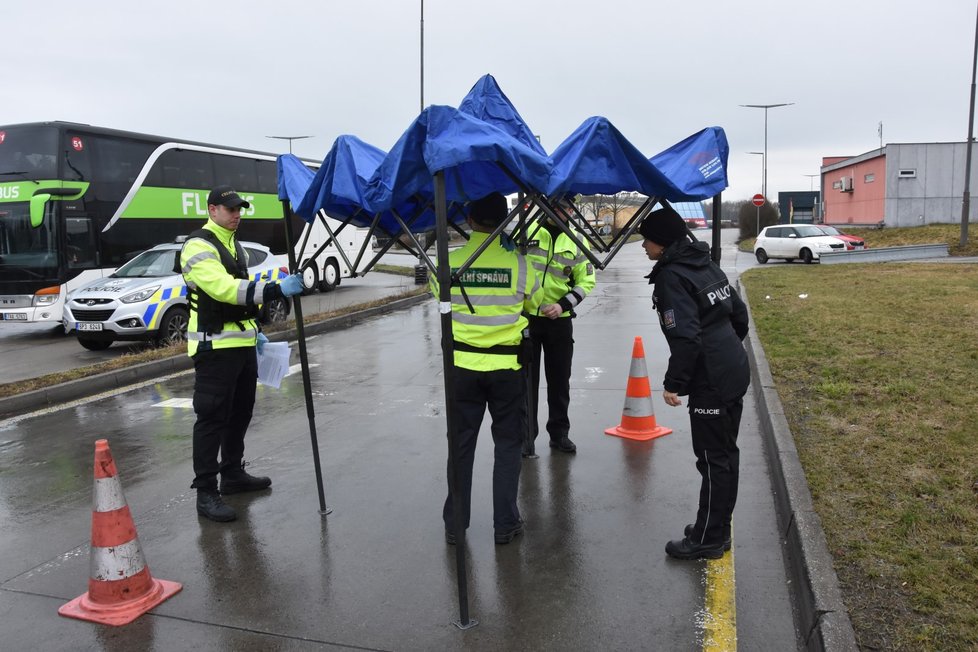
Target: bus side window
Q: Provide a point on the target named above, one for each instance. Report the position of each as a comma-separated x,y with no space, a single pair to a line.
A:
80,242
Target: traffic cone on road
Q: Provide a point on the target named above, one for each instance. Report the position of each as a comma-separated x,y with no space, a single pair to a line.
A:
638,416
120,586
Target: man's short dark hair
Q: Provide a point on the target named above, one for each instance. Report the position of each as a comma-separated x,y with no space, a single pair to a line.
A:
489,211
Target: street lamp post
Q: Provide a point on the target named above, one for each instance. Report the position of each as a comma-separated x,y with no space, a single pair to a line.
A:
761,154
765,107
289,138
811,181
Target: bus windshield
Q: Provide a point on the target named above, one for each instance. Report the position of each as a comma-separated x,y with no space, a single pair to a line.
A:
28,153
26,252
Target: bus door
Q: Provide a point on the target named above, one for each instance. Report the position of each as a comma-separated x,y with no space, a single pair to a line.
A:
81,242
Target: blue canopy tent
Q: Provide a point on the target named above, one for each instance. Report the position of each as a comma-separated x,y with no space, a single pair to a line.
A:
448,157
698,165
597,159
487,102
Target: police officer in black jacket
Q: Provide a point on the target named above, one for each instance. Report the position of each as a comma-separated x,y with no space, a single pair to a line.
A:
704,321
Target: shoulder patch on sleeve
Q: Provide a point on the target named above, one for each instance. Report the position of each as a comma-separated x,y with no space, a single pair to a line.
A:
669,319
590,269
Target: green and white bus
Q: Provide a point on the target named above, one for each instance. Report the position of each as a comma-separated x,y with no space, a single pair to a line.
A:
78,201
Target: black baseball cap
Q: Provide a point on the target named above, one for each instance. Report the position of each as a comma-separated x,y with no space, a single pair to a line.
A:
225,196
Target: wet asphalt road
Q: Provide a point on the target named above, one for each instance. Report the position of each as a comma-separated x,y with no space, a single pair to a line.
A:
589,574
32,350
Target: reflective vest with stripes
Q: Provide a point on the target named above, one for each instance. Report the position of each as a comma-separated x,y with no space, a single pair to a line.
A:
500,285
203,271
565,272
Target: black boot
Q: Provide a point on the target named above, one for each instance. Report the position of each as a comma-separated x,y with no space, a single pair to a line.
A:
235,481
210,505
726,540
686,549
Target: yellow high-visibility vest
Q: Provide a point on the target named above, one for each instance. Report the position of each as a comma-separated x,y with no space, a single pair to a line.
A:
501,285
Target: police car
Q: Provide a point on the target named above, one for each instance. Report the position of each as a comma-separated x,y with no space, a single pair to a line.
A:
144,300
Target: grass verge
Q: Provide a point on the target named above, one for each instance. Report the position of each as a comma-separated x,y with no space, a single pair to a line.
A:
908,235
876,367
150,353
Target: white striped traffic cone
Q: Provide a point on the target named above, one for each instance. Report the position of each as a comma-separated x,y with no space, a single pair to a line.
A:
638,416
120,586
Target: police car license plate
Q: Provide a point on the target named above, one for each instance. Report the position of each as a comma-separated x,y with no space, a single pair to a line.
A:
858,247
14,316
89,327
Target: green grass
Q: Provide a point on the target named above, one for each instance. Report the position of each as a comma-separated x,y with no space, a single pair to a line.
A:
909,235
877,370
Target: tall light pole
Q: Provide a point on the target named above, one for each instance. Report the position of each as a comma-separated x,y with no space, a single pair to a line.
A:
422,55
811,181
289,138
761,154
765,107
966,199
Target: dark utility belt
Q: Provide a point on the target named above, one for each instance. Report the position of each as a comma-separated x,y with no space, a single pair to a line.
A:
499,349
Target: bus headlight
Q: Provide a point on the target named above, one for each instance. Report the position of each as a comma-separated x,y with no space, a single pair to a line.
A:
142,295
47,296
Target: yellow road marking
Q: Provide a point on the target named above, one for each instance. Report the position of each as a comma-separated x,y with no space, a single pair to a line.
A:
720,608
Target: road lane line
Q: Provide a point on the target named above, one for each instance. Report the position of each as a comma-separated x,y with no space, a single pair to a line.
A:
720,608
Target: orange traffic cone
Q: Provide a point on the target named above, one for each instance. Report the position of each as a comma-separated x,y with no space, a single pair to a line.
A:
638,417
120,586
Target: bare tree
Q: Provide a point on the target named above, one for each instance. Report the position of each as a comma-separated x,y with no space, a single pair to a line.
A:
592,206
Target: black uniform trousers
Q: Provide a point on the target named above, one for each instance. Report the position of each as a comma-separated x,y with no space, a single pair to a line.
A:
224,398
554,338
715,425
504,393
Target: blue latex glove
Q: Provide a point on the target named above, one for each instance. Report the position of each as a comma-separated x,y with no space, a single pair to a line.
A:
291,285
507,242
261,342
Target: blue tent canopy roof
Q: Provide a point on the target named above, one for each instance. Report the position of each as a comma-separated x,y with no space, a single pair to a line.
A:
472,145
598,160
697,164
487,102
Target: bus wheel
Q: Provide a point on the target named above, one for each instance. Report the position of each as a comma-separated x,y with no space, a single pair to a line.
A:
310,279
275,311
173,326
94,345
331,276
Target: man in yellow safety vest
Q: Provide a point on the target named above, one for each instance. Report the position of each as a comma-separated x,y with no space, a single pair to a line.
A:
223,336
567,277
487,327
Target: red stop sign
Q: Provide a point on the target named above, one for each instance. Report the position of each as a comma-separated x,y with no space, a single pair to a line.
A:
758,199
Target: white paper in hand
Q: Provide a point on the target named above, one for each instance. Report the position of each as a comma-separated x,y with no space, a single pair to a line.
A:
273,363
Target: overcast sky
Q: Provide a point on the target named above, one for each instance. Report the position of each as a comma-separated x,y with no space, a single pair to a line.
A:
232,73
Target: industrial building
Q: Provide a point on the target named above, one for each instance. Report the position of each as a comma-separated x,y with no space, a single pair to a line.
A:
900,184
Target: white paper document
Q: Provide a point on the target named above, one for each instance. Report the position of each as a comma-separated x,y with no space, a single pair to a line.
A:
273,363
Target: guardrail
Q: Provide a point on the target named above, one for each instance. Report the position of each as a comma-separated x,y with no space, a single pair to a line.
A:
886,254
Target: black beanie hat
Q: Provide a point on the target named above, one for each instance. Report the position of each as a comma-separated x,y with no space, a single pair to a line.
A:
489,211
663,227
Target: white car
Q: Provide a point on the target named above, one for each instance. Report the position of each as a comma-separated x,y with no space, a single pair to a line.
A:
145,300
806,242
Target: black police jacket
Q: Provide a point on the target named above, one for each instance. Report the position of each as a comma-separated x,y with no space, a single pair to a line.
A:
704,321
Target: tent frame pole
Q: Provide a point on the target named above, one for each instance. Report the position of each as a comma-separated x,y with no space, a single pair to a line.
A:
304,360
448,365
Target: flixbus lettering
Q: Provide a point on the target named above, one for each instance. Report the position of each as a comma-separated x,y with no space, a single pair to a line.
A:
720,294
192,201
9,192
